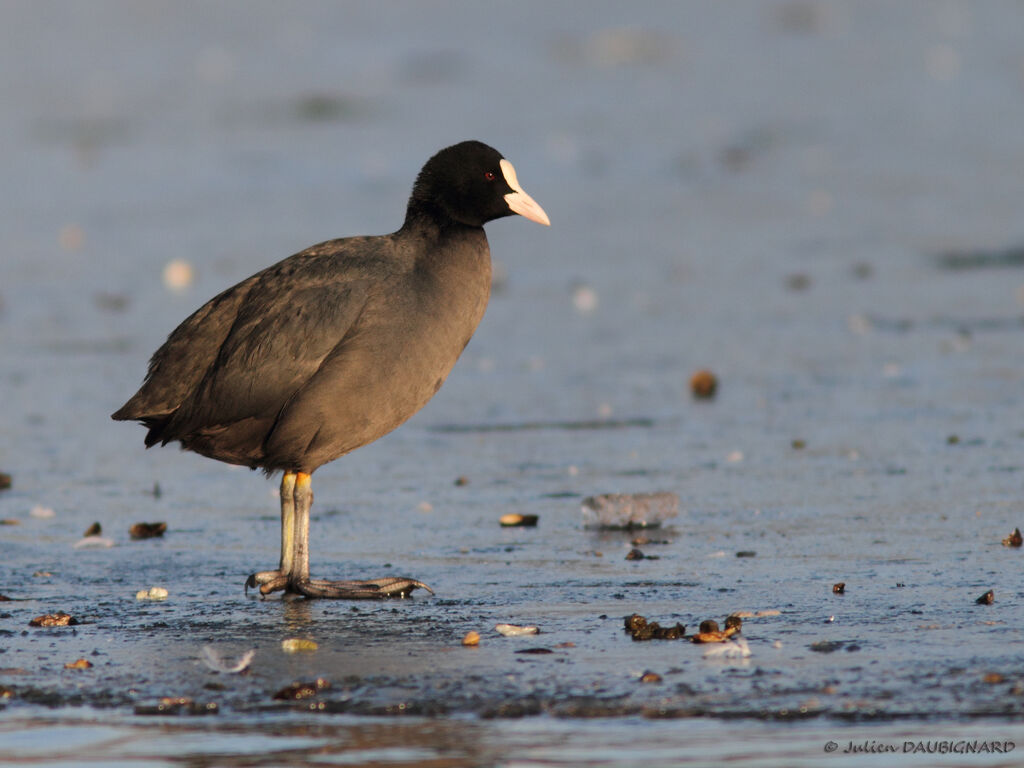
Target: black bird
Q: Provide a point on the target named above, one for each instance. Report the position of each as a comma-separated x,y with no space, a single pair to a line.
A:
333,348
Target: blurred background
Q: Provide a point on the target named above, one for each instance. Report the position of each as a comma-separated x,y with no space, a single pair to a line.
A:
820,202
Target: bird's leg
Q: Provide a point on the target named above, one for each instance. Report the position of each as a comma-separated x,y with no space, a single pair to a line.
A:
273,581
298,579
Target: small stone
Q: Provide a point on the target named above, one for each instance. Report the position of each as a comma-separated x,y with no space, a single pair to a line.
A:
93,530
53,620
1014,539
640,629
634,554
710,637
514,630
798,281
153,593
80,664
650,677
298,645
987,599
461,480
798,445
839,587
746,553
471,638
703,385
147,530
5,481
178,274
733,625
952,440
515,520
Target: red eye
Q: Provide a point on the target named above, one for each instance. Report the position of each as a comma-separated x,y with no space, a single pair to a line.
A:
489,176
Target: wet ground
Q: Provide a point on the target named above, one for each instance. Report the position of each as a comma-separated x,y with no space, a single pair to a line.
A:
820,203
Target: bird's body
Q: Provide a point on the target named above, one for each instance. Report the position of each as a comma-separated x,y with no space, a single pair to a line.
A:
337,345
361,333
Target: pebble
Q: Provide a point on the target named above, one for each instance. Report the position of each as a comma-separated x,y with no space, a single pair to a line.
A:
153,593
147,530
471,638
703,385
178,274
60,619
839,587
513,630
93,530
629,510
640,629
584,299
297,645
515,520
987,599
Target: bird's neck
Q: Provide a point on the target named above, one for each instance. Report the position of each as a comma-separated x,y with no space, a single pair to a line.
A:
426,219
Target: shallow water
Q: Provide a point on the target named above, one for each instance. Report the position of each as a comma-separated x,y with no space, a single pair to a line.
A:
818,202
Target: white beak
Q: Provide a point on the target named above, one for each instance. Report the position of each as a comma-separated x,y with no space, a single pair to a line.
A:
520,202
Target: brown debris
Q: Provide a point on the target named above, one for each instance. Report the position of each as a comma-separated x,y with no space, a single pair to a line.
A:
147,530
704,385
710,637
461,480
53,620
300,690
1014,539
987,599
93,530
641,629
515,520
839,587
5,481
79,664
650,677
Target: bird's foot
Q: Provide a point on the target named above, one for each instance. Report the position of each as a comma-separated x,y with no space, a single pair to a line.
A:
370,589
267,581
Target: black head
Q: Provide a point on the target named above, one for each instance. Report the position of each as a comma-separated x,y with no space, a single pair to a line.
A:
470,183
